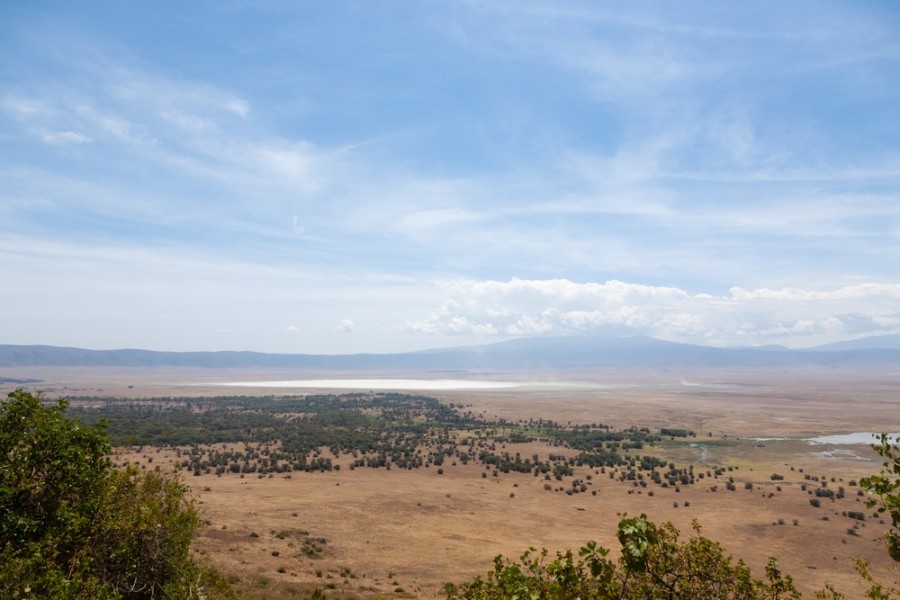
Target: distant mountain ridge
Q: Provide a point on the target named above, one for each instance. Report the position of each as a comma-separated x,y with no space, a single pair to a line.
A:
525,353
880,342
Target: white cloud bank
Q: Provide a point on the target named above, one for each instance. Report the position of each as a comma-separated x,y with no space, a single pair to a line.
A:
793,317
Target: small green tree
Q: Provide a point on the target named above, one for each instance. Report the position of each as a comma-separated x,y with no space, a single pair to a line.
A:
885,490
72,526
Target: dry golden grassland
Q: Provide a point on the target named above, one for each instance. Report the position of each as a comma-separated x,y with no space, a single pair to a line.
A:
404,533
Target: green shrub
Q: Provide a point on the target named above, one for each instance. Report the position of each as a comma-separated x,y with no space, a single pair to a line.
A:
72,526
884,489
654,563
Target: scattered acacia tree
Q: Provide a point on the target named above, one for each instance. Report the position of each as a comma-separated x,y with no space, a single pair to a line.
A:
73,526
654,563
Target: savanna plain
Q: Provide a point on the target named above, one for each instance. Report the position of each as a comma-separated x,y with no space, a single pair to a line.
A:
362,493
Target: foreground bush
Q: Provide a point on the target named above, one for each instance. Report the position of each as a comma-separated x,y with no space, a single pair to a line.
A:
654,564
72,526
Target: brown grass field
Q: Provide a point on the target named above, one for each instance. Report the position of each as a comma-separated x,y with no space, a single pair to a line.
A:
398,533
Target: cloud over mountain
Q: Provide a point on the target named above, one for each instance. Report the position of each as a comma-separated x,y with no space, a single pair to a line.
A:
790,316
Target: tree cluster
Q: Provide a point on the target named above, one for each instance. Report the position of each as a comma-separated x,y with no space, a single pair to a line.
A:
381,430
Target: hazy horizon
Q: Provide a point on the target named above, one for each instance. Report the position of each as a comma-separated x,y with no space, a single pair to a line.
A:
348,178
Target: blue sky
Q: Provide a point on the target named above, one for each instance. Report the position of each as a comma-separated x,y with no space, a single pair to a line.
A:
335,177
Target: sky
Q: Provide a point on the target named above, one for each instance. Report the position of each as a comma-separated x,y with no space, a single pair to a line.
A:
344,177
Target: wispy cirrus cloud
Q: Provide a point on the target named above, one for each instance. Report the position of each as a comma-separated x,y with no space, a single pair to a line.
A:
698,151
61,138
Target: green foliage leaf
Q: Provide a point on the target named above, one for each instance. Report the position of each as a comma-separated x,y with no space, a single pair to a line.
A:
72,526
654,563
884,490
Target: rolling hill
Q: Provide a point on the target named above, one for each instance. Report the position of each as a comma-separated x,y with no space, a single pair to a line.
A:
517,354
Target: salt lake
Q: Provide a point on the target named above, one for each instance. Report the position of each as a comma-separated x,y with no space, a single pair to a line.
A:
382,384
860,437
